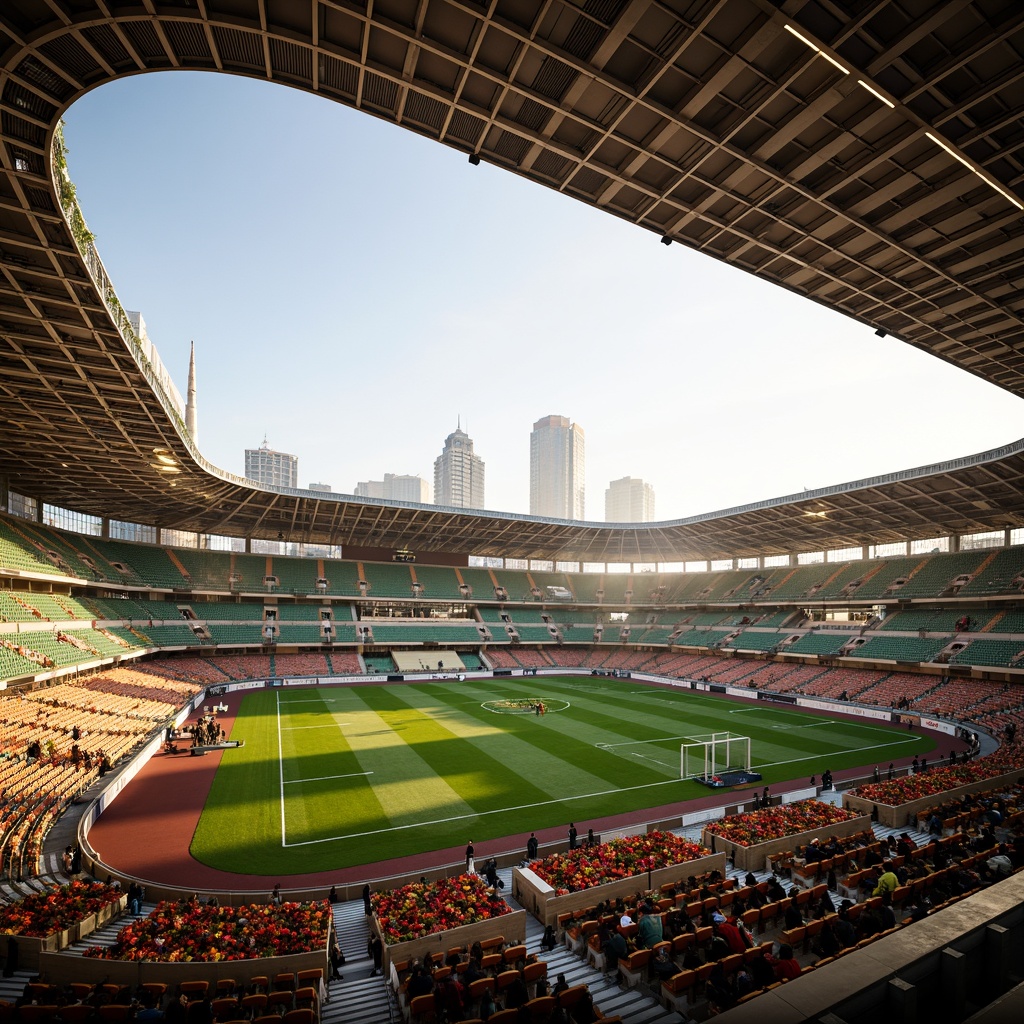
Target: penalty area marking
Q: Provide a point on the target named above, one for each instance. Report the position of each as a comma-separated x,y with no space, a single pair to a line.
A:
643,743
664,764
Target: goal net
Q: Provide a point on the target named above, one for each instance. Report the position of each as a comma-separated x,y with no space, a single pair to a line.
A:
716,756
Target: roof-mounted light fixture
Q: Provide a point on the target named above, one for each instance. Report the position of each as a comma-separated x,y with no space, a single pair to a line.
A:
988,181
817,49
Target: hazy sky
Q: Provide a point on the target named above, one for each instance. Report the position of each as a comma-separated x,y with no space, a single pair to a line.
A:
353,289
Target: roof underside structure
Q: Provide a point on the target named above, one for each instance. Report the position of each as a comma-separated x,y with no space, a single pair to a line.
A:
865,154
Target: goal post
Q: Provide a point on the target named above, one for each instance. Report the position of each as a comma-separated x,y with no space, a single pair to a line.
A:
717,754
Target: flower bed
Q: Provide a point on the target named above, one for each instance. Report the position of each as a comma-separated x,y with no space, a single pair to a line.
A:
463,909
753,837
585,867
897,802
586,876
777,822
187,932
58,909
939,780
56,917
426,908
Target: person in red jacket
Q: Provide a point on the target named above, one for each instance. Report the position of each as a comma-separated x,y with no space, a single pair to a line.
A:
732,936
785,966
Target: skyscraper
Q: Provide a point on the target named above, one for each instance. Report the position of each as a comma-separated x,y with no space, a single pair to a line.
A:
629,500
270,468
458,473
557,469
395,487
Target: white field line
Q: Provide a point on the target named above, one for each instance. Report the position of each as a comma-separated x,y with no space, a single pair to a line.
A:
322,778
643,743
871,726
280,768
664,764
333,725
877,746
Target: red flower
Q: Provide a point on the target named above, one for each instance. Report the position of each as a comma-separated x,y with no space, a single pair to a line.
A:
427,908
628,857
187,932
777,822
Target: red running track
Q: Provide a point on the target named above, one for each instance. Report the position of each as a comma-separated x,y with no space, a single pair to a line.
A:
147,831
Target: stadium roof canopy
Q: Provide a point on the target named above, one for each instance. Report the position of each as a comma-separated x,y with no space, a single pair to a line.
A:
866,154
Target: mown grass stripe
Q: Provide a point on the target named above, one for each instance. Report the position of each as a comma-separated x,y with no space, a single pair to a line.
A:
507,744
434,746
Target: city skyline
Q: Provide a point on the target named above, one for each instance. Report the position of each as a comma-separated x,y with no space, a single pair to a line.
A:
633,495
381,281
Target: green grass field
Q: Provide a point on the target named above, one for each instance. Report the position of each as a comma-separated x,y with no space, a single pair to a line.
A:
341,776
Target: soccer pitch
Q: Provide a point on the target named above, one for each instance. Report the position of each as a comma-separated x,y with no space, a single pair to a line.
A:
334,777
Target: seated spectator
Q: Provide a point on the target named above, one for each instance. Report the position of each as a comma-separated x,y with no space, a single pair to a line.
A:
793,918
762,971
663,966
845,932
448,998
786,966
828,943
756,899
614,951
649,932
886,915
732,936
719,990
887,881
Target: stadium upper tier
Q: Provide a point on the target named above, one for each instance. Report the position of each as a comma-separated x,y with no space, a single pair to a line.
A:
865,158
30,550
69,601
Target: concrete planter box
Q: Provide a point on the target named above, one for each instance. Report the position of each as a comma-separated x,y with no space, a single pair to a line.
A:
510,926
111,910
755,858
63,968
84,928
31,947
904,815
540,899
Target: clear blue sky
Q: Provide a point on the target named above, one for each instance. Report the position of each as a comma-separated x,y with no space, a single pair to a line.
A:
353,289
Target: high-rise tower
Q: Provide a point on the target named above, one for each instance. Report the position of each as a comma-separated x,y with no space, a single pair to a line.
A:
629,500
557,469
273,469
459,473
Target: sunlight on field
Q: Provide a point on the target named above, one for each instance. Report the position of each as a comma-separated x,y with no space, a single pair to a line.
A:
338,776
